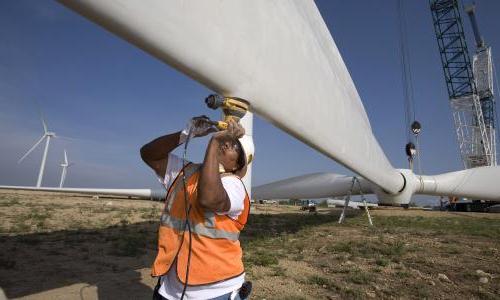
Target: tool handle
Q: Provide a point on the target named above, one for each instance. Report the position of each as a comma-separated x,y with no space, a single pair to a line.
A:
219,124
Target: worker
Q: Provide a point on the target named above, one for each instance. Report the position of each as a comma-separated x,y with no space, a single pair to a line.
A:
207,265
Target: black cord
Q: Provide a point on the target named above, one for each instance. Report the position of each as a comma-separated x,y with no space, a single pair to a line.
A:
187,209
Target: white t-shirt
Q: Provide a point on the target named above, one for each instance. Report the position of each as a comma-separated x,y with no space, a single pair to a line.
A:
171,287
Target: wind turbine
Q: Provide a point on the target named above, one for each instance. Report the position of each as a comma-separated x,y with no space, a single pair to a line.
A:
282,59
65,165
47,135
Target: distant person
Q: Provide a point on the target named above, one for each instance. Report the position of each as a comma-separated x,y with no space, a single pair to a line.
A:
218,209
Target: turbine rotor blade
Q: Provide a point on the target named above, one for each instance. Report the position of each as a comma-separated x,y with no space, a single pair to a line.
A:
30,150
65,157
316,185
42,119
45,130
480,183
278,55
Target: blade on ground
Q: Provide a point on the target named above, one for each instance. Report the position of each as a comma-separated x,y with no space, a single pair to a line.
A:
278,55
140,193
32,148
477,184
310,186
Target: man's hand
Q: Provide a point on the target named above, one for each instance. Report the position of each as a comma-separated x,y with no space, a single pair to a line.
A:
200,126
234,130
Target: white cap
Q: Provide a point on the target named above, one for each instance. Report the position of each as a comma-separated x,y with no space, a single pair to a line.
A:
248,148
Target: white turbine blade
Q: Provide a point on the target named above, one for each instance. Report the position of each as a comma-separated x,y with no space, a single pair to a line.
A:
65,157
478,184
317,185
140,193
30,150
45,130
39,107
63,176
278,55
71,139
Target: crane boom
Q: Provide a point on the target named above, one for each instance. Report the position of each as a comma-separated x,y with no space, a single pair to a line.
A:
473,109
483,74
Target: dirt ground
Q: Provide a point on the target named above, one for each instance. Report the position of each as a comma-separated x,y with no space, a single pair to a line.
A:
60,246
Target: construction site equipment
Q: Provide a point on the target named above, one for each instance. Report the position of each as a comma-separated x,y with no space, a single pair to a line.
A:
482,67
308,205
348,198
470,89
469,85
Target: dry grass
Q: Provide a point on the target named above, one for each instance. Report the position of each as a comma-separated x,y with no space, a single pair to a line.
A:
400,257
69,246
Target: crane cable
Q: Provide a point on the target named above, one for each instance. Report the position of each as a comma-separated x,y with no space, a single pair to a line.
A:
405,71
187,210
495,104
407,81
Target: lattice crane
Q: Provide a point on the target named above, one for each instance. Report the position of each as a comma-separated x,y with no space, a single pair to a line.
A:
470,85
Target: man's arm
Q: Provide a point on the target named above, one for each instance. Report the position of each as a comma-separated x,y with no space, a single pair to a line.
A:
155,153
211,192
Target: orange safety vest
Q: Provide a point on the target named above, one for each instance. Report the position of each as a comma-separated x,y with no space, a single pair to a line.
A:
216,252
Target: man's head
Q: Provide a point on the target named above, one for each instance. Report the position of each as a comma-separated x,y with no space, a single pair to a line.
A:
236,150
231,154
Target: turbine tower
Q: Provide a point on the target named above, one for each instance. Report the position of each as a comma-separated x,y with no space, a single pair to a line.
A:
47,135
64,166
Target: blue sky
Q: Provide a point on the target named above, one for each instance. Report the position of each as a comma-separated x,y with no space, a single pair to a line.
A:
109,97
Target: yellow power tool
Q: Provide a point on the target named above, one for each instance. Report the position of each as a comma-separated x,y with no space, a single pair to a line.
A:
233,108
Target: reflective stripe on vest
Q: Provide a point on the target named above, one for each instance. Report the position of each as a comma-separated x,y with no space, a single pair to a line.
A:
209,219
180,225
189,170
